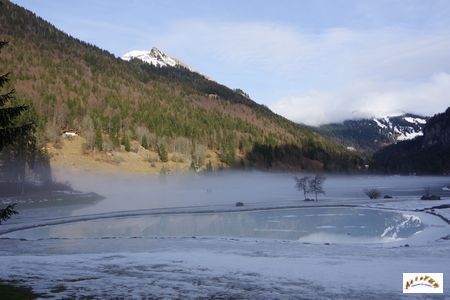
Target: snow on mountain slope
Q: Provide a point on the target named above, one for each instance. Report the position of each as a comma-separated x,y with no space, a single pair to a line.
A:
401,128
372,134
155,57
415,120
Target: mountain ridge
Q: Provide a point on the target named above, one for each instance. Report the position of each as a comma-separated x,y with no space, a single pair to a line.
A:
427,154
371,134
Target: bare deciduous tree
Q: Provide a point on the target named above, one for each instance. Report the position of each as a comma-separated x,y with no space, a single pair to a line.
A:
89,132
302,184
315,185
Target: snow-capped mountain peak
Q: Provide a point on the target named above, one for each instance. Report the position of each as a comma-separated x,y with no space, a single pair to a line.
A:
155,57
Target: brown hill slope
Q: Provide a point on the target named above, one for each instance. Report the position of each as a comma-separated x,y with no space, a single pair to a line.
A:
72,84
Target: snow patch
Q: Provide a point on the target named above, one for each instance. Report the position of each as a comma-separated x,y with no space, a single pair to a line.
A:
415,120
381,125
156,58
409,135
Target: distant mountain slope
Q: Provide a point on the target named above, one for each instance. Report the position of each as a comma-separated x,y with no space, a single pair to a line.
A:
429,153
369,135
72,84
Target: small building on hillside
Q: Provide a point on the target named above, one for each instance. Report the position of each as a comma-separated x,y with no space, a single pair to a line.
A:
70,133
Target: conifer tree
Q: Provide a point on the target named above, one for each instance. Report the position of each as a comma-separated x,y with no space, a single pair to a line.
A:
126,142
98,140
12,132
9,127
144,142
163,153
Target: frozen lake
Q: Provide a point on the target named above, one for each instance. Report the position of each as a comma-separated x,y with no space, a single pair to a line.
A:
332,224
183,237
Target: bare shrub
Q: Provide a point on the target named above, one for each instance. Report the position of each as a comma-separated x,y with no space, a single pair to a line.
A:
372,193
107,144
178,158
182,145
144,137
88,132
199,155
153,157
152,141
85,149
118,159
52,133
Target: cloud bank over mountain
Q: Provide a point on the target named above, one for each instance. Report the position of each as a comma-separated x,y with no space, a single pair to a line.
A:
326,76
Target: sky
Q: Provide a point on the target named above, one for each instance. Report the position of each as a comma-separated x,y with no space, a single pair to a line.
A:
314,62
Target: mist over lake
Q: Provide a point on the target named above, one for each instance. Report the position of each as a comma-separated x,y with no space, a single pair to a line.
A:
136,191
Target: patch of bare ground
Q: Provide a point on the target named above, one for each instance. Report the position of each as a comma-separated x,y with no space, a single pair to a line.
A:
70,156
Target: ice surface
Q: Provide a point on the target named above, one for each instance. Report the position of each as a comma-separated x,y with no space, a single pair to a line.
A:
367,224
78,259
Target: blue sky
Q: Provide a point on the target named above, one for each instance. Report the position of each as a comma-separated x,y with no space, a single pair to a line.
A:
311,61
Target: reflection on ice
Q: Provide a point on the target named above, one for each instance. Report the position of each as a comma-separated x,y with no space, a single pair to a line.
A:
307,224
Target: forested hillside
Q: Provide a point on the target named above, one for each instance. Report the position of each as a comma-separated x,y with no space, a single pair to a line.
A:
77,86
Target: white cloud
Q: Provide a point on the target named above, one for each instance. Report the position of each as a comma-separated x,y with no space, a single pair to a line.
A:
264,44
322,76
367,99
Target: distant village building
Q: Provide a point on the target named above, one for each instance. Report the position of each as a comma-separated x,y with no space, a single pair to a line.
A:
69,133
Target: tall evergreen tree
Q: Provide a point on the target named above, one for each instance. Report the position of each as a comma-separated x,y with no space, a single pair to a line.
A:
9,129
98,140
144,142
16,136
163,155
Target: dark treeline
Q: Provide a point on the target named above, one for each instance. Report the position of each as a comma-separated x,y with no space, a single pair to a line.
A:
289,156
